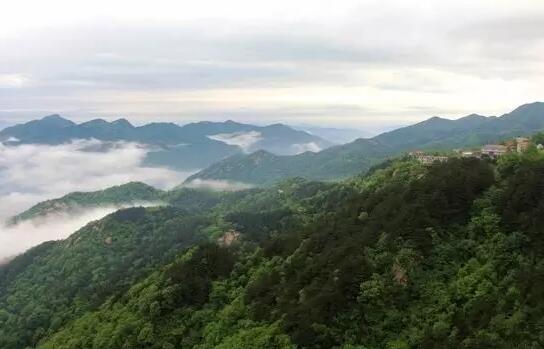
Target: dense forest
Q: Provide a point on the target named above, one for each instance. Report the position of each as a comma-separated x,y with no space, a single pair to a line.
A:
449,255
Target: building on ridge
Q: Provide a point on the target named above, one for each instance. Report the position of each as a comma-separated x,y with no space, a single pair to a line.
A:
494,150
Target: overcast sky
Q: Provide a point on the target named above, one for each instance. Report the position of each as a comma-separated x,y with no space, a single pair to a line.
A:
358,63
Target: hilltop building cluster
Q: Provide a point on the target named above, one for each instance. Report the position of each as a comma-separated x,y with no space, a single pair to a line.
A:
515,145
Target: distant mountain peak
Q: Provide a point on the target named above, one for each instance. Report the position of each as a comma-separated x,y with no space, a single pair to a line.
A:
278,125
436,119
94,122
53,117
57,120
233,123
529,107
473,116
122,122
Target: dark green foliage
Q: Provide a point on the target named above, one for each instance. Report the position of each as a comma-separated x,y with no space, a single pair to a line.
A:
18,264
62,280
48,286
193,277
259,225
538,138
192,199
322,277
521,201
411,256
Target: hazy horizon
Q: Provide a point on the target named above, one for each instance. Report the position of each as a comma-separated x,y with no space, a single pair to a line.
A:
374,129
361,64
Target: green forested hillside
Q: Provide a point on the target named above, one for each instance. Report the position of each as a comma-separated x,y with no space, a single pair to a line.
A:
133,192
264,168
54,283
434,134
469,131
445,256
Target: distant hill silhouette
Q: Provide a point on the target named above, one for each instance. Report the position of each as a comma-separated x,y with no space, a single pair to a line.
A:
191,146
358,156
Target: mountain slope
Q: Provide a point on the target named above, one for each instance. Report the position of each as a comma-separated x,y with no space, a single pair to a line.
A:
132,193
105,257
49,130
471,130
411,256
352,158
264,168
96,262
187,147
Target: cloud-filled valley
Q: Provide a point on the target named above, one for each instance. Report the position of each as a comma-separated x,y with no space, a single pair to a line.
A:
22,236
33,173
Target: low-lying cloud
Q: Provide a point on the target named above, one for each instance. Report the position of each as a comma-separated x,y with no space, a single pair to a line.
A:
244,140
33,173
30,174
304,147
18,238
218,185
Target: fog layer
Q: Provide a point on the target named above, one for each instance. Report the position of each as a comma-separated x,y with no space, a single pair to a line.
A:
33,173
19,238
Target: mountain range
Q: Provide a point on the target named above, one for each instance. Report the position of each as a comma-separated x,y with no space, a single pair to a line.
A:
187,147
262,155
125,195
408,256
434,134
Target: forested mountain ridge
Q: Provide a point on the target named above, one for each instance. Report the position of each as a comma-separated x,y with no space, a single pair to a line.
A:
408,256
126,194
190,146
471,130
264,168
352,158
106,256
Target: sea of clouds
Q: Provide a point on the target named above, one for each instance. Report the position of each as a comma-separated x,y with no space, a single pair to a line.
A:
33,173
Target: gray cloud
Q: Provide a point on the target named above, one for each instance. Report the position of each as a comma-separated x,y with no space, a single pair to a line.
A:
33,173
244,140
16,239
218,185
515,30
395,51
